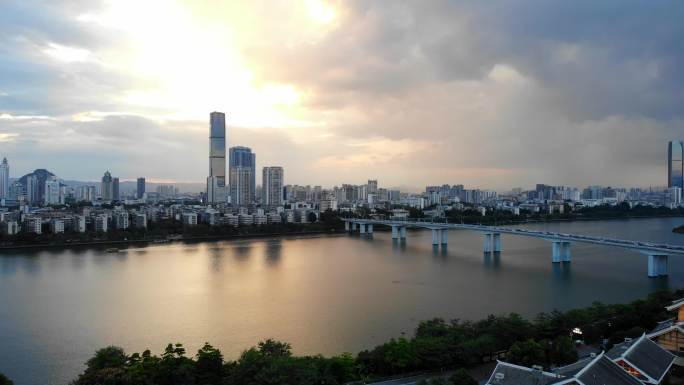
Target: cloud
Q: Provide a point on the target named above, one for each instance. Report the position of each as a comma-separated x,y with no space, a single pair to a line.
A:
493,94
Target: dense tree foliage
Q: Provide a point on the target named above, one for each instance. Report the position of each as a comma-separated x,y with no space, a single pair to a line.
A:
498,217
437,345
4,380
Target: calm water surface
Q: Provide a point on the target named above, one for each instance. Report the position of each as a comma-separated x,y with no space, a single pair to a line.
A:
324,294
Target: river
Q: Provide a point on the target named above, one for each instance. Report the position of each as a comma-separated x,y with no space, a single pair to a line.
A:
323,294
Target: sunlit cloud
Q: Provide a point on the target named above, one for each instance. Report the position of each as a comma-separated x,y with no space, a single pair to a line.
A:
7,137
67,54
320,11
373,152
408,92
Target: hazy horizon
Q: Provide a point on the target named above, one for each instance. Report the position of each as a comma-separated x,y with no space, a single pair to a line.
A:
489,95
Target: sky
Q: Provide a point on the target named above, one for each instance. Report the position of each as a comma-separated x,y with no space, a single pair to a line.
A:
490,94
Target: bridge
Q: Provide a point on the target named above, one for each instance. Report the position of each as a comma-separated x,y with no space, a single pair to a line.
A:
560,243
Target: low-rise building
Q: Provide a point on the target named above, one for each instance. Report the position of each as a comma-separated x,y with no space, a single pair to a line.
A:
10,228
121,221
232,220
259,219
33,225
643,359
634,362
669,334
328,204
273,218
245,219
57,226
100,223
140,221
189,219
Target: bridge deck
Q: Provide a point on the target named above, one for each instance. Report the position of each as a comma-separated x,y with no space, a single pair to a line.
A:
641,246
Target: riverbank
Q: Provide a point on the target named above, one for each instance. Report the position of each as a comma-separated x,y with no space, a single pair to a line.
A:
678,230
147,242
101,244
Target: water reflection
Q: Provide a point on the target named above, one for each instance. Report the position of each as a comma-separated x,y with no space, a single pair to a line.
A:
492,259
30,265
8,265
242,251
562,271
216,258
273,250
324,294
77,261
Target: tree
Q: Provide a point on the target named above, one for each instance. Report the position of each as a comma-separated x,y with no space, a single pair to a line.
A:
400,355
209,365
4,380
109,357
562,351
273,348
462,377
312,217
526,353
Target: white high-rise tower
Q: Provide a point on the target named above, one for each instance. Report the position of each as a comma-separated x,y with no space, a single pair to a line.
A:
216,182
4,179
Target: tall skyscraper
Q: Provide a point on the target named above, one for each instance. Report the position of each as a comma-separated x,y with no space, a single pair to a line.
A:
32,189
140,191
107,187
242,164
372,186
116,196
675,171
272,186
53,193
4,179
216,182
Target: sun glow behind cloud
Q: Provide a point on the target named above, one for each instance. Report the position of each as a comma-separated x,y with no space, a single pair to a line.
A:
188,66
320,11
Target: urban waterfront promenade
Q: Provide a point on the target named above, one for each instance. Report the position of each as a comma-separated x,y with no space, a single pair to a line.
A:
657,253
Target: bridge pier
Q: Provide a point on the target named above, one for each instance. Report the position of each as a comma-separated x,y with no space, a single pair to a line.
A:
496,242
492,242
353,227
362,228
657,265
395,232
445,236
402,232
566,252
369,228
346,226
488,242
436,236
560,251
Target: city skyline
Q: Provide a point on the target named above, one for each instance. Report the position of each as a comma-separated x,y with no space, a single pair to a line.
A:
367,89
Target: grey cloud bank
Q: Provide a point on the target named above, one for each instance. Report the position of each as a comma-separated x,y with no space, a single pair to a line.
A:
493,94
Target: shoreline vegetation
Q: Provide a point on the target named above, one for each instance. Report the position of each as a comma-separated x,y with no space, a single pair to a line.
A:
678,230
436,346
169,230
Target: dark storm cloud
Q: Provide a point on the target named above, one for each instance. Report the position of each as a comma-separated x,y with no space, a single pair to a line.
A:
568,92
488,93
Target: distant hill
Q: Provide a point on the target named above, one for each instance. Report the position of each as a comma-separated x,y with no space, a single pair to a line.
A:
41,173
